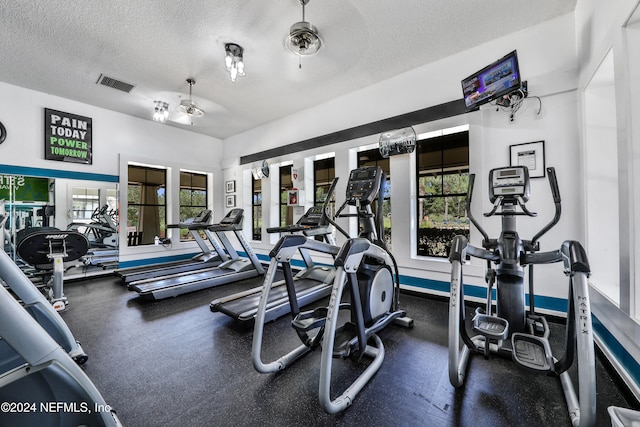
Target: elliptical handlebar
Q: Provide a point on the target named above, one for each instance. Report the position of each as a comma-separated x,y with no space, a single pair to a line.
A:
555,191
325,207
485,236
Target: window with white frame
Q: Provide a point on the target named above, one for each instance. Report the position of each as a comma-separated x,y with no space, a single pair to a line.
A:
442,169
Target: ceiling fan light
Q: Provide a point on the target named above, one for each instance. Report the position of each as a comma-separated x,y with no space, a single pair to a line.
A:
189,107
303,39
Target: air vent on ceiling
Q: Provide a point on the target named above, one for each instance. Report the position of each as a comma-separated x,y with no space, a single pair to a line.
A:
116,84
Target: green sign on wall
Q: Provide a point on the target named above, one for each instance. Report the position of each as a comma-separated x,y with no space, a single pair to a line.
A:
25,188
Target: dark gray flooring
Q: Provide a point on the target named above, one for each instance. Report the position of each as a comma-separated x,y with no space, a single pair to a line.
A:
175,363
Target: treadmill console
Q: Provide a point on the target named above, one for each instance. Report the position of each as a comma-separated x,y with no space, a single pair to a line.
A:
509,183
312,218
234,217
202,218
363,185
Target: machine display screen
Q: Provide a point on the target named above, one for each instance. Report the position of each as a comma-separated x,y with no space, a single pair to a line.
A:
509,182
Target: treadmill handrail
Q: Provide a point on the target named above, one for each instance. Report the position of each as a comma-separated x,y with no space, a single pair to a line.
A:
289,245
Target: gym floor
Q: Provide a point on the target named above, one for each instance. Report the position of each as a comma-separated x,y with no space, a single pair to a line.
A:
174,362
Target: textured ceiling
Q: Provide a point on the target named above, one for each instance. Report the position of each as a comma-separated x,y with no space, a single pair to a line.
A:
61,47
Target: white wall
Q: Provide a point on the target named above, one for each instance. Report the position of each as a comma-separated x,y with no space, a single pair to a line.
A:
116,139
547,61
600,29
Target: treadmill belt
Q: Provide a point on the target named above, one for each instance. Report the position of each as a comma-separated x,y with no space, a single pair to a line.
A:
245,308
179,280
165,271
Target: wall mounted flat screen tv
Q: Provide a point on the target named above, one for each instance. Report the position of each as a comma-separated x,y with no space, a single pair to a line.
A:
492,82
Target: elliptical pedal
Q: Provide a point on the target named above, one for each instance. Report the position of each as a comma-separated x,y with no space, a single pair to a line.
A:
531,352
308,320
492,327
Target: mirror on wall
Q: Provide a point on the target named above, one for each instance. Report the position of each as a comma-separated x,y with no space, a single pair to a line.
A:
25,202
88,207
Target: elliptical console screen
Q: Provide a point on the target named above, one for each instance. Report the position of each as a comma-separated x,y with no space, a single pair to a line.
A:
509,182
363,185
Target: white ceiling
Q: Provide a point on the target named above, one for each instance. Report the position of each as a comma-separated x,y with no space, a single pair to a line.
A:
61,47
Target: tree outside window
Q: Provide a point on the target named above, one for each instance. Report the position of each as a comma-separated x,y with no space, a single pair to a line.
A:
374,158
324,171
256,207
443,177
146,207
286,184
193,198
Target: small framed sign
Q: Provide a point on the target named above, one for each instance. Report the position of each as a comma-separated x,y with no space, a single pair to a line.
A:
531,155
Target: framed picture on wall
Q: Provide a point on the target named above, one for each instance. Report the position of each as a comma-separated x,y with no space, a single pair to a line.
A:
231,201
531,155
231,186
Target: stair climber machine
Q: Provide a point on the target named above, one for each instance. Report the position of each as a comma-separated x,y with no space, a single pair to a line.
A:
234,269
310,284
511,331
40,383
47,249
366,269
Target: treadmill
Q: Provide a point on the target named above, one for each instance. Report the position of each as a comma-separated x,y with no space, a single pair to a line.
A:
232,270
311,284
211,257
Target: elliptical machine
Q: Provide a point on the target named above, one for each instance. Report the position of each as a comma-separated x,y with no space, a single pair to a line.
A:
366,268
102,231
511,331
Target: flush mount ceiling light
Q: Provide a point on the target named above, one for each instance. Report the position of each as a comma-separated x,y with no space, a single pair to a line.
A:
303,38
161,112
234,61
189,107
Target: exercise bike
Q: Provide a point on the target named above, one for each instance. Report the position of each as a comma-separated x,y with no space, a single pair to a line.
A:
511,331
363,266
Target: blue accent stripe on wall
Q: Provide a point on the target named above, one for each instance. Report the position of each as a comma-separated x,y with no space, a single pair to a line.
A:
54,173
159,260
623,357
547,303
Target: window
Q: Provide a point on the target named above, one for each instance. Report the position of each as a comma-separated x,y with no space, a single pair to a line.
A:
256,205
442,164
324,171
286,184
374,158
193,198
84,202
146,207
601,180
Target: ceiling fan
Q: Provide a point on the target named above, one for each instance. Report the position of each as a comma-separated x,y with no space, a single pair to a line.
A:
304,38
187,106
